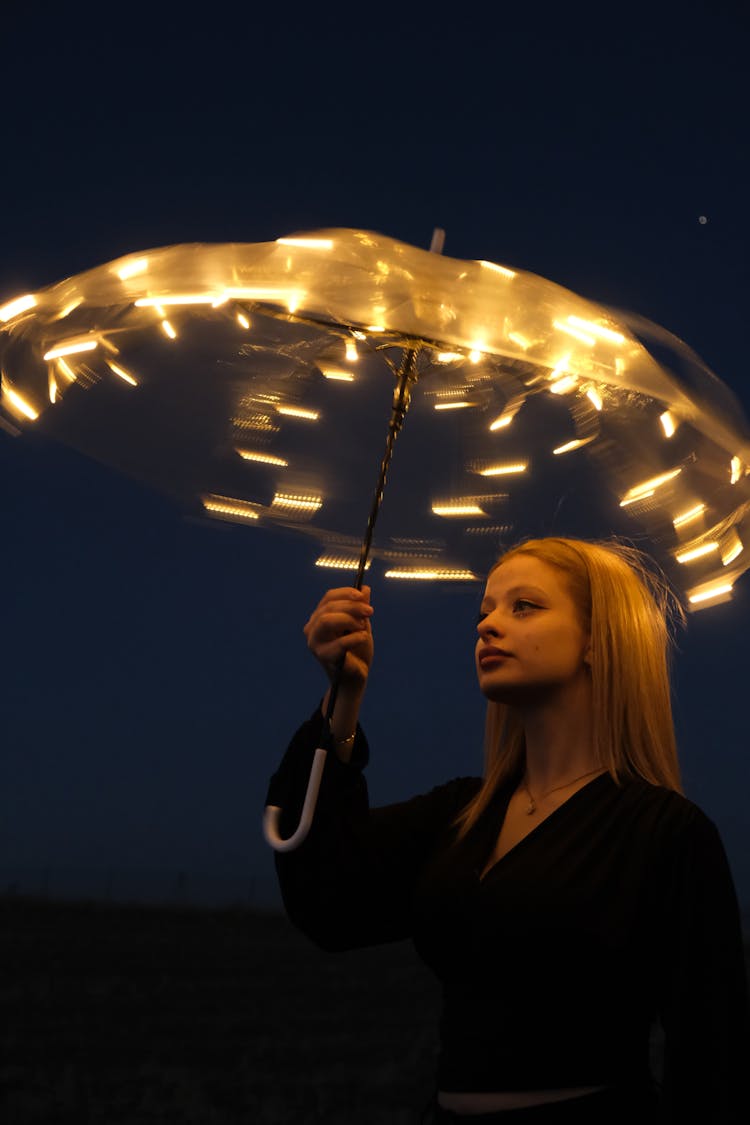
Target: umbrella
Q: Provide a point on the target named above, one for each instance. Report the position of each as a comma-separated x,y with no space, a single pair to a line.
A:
255,383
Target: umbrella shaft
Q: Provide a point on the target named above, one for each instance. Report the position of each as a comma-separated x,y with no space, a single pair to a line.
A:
401,398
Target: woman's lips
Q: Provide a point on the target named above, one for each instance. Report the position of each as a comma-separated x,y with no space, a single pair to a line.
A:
492,656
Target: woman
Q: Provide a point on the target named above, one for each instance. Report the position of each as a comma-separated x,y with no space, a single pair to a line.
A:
568,899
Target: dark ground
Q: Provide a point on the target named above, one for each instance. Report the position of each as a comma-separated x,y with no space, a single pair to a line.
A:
134,1015
138,1015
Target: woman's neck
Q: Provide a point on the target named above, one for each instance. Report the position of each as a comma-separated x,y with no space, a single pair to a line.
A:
558,736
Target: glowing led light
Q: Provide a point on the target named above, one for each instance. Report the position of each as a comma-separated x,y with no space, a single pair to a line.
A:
69,308
297,503
52,384
426,575
594,398
648,487
640,496
340,562
352,355
697,552
569,446
18,403
294,300
166,299
560,368
503,421
498,269
731,547
669,425
458,510
338,374
298,412
168,330
489,529
565,385
358,335
71,348
689,515
521,341
66,371
308,243
256,421
452,405
263,458
375,328
448,357
17,306
226,505
132,268
589,326
243,320
619,365
122,373
710,592
504,470
737,469
576,333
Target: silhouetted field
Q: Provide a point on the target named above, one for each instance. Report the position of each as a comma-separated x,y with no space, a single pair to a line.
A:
138,1015
116,1015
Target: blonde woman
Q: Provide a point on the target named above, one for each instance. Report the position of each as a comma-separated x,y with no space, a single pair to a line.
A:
569,898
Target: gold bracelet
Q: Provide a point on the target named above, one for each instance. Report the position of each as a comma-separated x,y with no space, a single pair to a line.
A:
346,741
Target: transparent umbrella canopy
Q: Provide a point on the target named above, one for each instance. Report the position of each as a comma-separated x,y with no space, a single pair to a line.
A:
258,383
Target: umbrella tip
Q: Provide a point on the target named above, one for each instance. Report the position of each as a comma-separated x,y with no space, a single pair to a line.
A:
438,241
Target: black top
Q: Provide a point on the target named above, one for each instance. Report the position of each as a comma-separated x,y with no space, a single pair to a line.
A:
616,910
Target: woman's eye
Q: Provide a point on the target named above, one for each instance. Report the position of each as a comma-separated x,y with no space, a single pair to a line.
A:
522,605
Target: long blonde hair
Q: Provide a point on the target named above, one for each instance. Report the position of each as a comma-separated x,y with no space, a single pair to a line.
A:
629,610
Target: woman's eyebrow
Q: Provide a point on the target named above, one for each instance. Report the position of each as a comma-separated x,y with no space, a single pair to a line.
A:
535,591
488,604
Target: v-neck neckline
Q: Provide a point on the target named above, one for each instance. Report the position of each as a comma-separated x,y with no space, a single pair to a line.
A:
482,878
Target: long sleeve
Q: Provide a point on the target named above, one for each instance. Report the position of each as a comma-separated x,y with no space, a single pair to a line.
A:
351,882
704,1004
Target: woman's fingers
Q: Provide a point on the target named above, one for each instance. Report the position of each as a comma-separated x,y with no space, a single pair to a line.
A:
326,626
344,600
332,652
338,612
339,630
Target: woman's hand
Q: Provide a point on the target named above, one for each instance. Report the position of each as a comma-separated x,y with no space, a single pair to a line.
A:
339,626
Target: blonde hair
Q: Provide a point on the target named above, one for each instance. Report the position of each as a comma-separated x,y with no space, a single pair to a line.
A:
629,610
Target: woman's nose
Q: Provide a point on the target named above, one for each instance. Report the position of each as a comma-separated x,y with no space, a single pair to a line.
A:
488,626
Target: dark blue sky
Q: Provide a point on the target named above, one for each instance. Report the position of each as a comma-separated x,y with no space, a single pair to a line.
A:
153,667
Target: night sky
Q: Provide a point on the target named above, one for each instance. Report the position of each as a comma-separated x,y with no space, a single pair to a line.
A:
153,668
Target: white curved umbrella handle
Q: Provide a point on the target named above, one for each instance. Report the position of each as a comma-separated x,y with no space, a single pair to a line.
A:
272,813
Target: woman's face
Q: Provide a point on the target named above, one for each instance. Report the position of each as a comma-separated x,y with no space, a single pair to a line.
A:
531,640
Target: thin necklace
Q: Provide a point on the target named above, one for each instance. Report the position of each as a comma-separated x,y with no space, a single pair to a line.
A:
532,803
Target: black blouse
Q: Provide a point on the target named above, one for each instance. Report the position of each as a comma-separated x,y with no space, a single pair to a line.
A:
616,910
